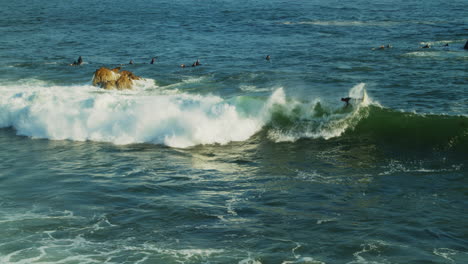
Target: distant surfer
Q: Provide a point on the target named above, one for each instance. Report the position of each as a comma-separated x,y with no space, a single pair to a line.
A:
79,62
131,62
182,65
197,63
267,57
426,46
466,45
153,60
382,47
346,100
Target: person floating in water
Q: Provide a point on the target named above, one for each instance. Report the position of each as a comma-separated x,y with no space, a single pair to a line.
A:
153,60
79,62
346,100
426,46
382,47
197,63
267,57
131,62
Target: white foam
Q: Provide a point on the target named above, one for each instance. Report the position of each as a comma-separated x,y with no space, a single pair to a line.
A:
422,54
249,260
371,251
187,80
229,206
441,42
395,166
437,54
179,254
50,250
25,216
450,255
194,79
149,114
303,260
122,117
253,88
331,125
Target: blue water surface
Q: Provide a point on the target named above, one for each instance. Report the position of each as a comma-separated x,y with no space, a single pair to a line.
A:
240,159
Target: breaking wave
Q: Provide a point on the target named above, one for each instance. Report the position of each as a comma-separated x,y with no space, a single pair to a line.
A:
178,119
87,113
367,121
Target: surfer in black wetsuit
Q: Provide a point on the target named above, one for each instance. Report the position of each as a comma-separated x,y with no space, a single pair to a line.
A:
197,63
346,100
79,62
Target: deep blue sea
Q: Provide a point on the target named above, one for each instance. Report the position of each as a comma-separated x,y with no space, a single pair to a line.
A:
240,159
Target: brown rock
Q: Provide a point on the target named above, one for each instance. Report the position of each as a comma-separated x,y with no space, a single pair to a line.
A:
130,75
124,82
112,78
108,85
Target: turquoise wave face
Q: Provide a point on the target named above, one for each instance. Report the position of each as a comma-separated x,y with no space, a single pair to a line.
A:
370,124
411,130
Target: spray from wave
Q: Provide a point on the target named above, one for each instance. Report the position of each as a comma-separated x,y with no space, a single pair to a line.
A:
293,120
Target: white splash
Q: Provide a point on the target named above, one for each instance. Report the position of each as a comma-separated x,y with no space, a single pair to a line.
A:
325,122
122,117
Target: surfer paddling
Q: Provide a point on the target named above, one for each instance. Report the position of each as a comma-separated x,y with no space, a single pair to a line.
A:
76,63
197,63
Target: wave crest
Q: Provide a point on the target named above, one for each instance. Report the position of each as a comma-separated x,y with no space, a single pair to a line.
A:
153,115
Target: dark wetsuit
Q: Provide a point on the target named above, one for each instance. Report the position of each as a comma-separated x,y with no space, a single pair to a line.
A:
346,100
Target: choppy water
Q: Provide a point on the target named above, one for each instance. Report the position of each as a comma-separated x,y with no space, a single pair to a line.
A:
239,160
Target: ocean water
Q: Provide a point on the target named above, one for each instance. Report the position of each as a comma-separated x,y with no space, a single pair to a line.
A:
241,159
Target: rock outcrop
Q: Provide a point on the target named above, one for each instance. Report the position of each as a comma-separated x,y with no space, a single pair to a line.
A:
113,79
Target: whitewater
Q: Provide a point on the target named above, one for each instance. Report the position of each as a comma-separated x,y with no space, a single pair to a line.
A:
149,114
